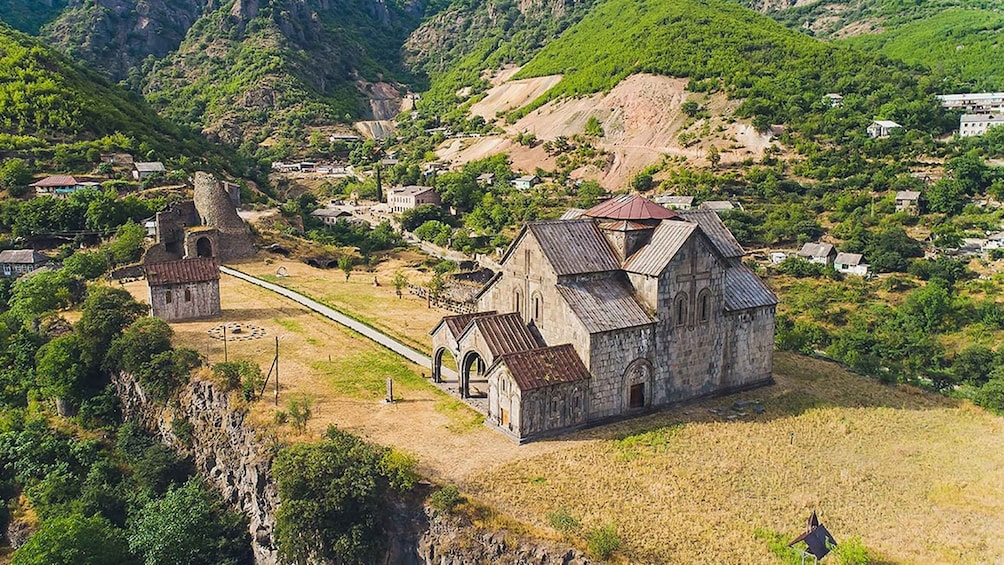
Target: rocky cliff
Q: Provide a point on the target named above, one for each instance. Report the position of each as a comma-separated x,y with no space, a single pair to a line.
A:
236,459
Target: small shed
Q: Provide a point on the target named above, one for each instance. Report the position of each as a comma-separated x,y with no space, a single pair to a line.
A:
143,170
187,289
719,206
525,182
16,262
908,201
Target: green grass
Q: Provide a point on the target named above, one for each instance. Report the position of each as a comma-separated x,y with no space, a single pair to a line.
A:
462,417
364,375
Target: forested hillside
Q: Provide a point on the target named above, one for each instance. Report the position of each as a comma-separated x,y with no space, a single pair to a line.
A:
30,15
46,100
956,39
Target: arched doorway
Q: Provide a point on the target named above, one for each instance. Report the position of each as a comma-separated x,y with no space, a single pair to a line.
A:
440,360
637,389
203,247
473,376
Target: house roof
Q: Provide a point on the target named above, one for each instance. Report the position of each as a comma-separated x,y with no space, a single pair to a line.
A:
526,178
743,290
604,305
670,200
630,207
22,256
816,250
573,247
886,124
718,205
56,180
716,230
849,258
198,269
907,195
972,118
504,333
572,214
411,190
150,167
330,213
666,241
544,367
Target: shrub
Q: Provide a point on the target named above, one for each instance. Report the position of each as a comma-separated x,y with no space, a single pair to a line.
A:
562,521
446,499
603,541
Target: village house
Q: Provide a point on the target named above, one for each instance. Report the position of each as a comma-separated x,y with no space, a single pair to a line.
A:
186,289
977,124
675,202
331,215
851,264
407,197
16,262
975,102
525,182
882,128
61,186
822,253
719,206
143,170
485,179
994,241
631,307
908,201
834,100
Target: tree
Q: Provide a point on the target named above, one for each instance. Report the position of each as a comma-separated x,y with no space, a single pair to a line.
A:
411,219
345,263
690,108
75,540
399,281
714,156
15,175
128,243
946,196
61,371
332,496
589,193
40,293
106,312
593,127
86,265
642,182
190,526
300,412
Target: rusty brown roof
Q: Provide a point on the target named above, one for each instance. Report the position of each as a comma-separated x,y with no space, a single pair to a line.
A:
540,368
604,305
56,180
716,230
744,290
183,271
457,324
504,333
574,247
630,207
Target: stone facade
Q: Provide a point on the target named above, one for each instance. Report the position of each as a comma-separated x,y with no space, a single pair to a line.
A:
188,289
658,310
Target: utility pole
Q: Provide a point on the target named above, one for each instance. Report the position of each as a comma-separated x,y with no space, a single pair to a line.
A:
276,370
224,342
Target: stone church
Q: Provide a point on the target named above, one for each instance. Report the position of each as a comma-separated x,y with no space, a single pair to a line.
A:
186,289
628,307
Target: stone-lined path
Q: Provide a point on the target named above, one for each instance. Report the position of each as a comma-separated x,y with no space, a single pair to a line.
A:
413,355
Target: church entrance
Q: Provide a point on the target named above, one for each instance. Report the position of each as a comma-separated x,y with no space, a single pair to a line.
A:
204,247
473,377
443,358
637,396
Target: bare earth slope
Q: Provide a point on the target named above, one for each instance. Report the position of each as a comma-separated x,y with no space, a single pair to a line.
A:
641,118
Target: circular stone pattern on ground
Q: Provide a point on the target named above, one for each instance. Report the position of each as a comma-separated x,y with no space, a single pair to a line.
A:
237,332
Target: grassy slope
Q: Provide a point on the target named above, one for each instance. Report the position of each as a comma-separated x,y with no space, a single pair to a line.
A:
45,96
916,476
963,44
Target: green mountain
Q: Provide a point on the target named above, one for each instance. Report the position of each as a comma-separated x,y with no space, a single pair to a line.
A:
957,39
30,15
46,101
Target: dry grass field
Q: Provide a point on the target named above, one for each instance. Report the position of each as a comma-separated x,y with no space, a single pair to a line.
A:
917,477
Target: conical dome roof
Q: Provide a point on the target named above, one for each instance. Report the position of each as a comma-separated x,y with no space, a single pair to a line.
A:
630,207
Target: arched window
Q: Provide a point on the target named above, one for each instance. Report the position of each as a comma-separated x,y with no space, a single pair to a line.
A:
681,309
188,295
168,298
704,305
517,302
538,307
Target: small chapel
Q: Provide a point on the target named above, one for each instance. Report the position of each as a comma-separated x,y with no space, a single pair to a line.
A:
608,313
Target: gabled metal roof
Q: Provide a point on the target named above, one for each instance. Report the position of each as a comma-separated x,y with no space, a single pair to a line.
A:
504,333
630,207
744,290
667,240
573,247
604,305
716,230
540,368
22,257
56,180
198,269
816,250
849,258
457,324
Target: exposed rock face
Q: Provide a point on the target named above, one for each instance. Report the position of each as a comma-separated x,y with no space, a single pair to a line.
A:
237,460
226,451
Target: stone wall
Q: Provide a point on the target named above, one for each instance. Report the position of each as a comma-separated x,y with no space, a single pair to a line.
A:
217,210
188,301
612,353
749,355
